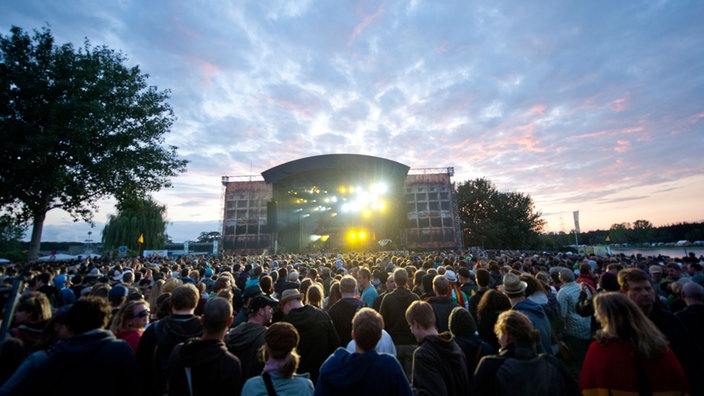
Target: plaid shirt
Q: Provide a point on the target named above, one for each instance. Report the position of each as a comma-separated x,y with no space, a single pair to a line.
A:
574,324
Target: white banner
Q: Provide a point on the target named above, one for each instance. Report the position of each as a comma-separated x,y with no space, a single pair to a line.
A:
576,221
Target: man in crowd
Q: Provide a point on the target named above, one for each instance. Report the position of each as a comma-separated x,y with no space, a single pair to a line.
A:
442,303
342,312
162,336
203,366
392,309
318,336
483,278
576,328
245,340
515,289
439,365
368,291
364,372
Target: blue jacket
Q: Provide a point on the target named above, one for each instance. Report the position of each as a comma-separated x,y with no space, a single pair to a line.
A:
369,373
540,321
298,385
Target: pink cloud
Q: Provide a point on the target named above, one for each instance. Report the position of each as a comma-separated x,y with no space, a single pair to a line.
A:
208,70
286,104
608,132
538,109
622,145
365,22
618,105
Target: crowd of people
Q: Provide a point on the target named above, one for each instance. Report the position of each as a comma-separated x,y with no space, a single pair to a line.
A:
467,322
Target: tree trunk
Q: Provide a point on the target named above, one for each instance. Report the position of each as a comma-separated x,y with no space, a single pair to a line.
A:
37,227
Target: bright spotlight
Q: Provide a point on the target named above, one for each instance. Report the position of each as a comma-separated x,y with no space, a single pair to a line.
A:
379,188
362,235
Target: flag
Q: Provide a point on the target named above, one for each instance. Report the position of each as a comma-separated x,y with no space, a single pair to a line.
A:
141,239
576,221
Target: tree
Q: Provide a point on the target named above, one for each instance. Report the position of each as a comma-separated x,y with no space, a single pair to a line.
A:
619,233
495,219
642,231
76,126
208,236
136,217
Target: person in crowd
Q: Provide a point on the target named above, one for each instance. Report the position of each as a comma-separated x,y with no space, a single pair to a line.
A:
78,365
392,309
418,282
692,316
515,289
576,330
364,371
518,368
318,338
130,321
342,312
65,293
467,285
203,365
483,280
279,376
636,285
390,286
630,355
315,295
439,365
334,294
490,307
442,303
160,338
245,340
464,330
368,291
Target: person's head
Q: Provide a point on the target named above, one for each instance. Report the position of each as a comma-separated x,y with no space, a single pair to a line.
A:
693,293
513,286
420,314
492,301
533,285
348,285
515,327
622,319
259,309
222,283
636,285
390,283
401,277
441,285
280,342
673,270
365,277
267,284
217,316
128,277
585,269
335,294
184,297
482,277
33,307
315,295
88,313
461,323
567,275
290,299
133,314
366,328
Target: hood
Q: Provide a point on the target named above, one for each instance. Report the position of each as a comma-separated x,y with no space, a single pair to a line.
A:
198,352
539,298
345,369
244,335
81,347
530,307
443,342
177,328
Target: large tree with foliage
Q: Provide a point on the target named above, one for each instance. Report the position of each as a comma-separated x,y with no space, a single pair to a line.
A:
135,218
76,125
494,219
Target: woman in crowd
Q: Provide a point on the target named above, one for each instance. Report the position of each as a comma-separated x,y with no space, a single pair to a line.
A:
314,295
518,368
334,294
129,322
281,362
630,355
490,306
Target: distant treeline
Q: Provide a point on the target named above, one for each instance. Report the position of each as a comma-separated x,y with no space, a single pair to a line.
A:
638,233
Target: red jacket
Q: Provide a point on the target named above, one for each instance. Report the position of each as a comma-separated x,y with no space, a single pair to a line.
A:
609,369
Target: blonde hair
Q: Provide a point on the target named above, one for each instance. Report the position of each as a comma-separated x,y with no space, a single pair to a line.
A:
517,325
622,319
314,295
171,284
157,290
120,321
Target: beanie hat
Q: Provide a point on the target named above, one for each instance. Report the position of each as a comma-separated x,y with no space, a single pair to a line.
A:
461,322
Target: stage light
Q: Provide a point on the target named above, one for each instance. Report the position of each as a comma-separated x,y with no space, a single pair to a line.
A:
379,188
324,238
366,213
362,235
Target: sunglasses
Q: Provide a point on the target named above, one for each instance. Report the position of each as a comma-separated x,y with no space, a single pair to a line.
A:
141,314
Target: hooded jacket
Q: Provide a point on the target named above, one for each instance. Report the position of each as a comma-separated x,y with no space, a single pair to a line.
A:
318,338
369,373
244,342
155,347
341,314
440,367
79,365
442,306
214,370
540,321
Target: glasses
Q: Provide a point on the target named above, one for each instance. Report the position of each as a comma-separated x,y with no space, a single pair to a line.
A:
141,314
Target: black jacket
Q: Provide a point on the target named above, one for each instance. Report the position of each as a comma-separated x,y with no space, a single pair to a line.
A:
442,306
393,310
214,370
439,367
318,338
244,342
522,371
341,314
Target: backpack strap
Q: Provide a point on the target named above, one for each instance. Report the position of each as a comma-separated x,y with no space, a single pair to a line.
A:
269,384
189,380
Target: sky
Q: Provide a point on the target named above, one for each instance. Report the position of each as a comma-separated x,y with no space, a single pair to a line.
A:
589,106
